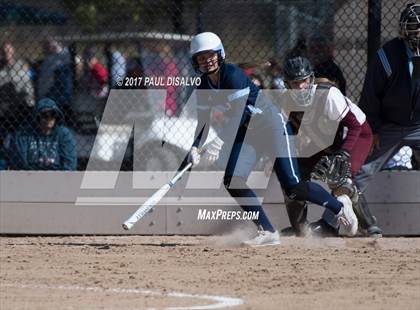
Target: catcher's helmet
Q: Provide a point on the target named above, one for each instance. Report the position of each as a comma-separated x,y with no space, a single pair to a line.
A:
297,69
204,42
410,27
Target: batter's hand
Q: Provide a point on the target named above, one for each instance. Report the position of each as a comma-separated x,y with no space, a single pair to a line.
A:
194,156
212,151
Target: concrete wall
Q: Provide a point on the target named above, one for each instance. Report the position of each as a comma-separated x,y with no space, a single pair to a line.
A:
55,203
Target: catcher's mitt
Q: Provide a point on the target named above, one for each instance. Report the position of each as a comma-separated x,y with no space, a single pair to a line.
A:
333,169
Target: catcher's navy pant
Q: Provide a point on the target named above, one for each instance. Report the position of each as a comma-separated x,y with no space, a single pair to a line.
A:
391,139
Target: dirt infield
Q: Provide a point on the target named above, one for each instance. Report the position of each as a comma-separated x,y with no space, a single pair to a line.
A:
178,272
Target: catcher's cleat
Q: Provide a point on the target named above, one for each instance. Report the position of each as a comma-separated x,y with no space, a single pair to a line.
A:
303,231
288,231
321,228
374,231
264,238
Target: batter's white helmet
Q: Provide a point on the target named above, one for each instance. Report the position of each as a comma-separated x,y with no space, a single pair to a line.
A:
203,42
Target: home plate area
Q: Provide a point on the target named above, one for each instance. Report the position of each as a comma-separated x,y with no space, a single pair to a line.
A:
201,272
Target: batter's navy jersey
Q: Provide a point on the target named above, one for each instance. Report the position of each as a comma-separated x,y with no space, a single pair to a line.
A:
237,88
238,104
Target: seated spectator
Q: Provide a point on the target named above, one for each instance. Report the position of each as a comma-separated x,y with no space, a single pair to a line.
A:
44,144
16,90
321,55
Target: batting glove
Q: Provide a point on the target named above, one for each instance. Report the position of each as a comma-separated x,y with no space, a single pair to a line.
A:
212,151
194,156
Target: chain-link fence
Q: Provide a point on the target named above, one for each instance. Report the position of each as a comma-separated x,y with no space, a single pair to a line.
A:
77,52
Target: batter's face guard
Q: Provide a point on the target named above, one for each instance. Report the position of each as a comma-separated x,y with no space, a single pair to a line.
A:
207,62
299,77
410,27
206,44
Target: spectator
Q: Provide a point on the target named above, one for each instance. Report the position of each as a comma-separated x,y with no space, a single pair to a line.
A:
251,68
257,80
16,90
300,49
321,55
97,75
45,144
118,66
55,76
135,70
79,68
96,83
170,69
274,71
248,70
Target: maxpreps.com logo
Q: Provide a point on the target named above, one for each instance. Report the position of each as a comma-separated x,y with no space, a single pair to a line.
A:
226,215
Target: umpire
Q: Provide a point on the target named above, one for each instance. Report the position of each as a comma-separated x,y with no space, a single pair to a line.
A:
391,102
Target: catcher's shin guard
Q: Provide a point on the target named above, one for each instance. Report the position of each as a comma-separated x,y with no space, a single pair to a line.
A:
298,212
366,219
360,206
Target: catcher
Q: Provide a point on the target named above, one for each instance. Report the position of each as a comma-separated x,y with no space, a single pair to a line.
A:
335,165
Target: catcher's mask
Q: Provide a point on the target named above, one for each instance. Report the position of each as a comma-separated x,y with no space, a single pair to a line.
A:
410,27
299,69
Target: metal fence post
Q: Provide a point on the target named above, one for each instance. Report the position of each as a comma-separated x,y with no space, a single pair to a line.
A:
374,27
